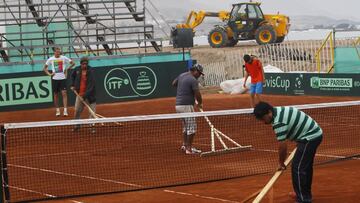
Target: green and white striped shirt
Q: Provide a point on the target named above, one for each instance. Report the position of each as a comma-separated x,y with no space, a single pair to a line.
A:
293,124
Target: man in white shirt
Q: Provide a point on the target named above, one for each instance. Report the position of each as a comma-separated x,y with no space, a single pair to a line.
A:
58,64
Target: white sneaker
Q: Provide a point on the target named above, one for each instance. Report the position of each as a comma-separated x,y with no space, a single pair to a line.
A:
65,113
57,112
189,152
195,151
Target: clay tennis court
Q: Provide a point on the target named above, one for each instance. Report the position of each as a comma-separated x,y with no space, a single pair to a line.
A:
333,182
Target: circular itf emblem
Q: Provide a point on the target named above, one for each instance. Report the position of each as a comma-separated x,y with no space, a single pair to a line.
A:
127,82
116,81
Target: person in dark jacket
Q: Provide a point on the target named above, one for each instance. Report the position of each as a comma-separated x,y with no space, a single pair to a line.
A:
83,83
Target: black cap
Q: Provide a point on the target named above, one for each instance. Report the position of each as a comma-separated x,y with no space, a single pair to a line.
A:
199,68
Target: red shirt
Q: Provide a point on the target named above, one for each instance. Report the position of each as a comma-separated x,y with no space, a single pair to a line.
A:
83,83
255,71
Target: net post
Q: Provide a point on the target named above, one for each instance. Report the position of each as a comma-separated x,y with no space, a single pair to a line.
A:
5,193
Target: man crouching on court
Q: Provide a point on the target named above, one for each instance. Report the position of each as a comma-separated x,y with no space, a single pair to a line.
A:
187,91
83,84
292,124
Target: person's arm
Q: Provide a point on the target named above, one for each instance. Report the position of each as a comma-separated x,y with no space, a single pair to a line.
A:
72,64
282,155
73,77
198,98
175,82
245,78
262,71
90,85
46,70
281,131
197,93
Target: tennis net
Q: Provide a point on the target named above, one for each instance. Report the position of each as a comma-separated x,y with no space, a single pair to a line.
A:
45,160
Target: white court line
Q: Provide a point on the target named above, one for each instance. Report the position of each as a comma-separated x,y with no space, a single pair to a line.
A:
77,176
195,143
33,191
41,193
200,196
338,157
275,151
130,184
57,154
67,174
341,124
320,155
106,180
85,151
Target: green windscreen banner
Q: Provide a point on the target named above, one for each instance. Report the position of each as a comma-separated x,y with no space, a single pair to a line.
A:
320,84
135,82
114,83
25,90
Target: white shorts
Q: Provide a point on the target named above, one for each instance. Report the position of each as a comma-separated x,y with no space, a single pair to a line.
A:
189,124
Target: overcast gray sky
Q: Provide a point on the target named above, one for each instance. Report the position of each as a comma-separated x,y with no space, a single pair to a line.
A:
338,9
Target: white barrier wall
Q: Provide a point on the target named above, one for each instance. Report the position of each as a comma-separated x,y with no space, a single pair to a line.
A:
290,56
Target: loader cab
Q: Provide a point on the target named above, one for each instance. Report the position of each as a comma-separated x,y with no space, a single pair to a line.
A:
245,18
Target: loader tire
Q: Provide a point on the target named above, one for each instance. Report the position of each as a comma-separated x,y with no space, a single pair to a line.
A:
265,34
218,38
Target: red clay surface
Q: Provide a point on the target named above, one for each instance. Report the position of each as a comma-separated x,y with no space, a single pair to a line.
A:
337,182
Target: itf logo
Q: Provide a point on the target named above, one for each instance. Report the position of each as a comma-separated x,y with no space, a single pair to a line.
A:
127,82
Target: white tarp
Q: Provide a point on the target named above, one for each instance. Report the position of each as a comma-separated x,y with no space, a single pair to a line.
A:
272,69
236,86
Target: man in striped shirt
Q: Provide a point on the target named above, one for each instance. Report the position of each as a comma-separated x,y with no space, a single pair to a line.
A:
292,124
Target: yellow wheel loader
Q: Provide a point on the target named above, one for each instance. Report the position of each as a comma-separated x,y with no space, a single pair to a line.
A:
246,21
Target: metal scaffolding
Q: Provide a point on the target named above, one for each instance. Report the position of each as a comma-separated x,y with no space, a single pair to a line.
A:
30,29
